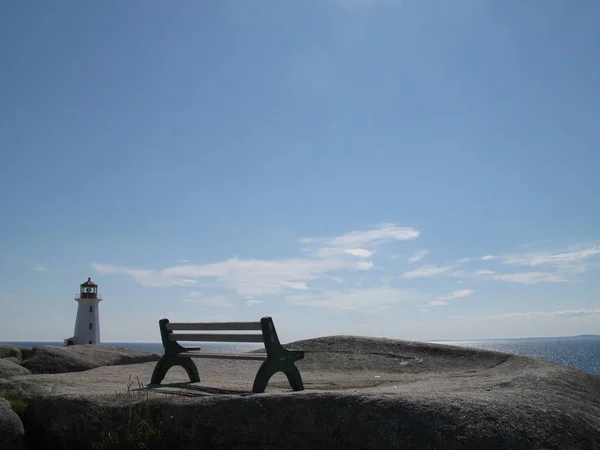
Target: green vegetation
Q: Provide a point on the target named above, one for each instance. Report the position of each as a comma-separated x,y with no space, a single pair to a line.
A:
136,425
18,404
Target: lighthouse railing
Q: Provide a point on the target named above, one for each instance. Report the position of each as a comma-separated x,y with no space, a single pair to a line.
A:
78,295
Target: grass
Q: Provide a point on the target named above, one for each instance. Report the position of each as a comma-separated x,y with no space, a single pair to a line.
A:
136,424
133,424
17,403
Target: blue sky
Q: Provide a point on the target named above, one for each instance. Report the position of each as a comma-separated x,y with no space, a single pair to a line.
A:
408,169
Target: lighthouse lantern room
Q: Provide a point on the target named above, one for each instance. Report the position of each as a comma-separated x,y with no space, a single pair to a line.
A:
87,322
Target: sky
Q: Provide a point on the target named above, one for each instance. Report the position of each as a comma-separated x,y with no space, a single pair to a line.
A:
418,170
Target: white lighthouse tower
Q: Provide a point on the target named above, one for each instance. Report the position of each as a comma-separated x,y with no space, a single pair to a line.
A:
87,323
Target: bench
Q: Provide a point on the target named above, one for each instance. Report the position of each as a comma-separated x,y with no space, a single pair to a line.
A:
277,358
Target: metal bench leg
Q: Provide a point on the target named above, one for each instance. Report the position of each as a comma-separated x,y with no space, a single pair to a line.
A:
166,362
264,374
269,368
293,375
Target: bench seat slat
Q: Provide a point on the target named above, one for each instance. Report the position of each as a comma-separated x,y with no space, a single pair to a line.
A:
214,326
241,356
217,337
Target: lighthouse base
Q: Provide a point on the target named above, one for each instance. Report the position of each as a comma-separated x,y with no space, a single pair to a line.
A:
74,341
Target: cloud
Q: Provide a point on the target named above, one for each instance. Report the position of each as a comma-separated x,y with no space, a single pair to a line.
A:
359,252
426,271
39,268
552,259
488,257
457,294
358,240
418,256
364,265
563,313
353,299
182,261
247,277
262,277
438,303
483,272
217,301
253,302
464,260
531,277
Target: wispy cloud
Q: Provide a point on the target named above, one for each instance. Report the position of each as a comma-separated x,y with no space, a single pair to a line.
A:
552,259
359,252
563,313
247,277
360,240
364,265
353,299
182,261
262,277
438,303
481,272
457,294
488,257
426,271
418,256
464,260
530,277
442,301
39,268
254,302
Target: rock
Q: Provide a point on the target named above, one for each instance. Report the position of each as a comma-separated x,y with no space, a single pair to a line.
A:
8,350
10,368
76,358
11,428
11,359
359,393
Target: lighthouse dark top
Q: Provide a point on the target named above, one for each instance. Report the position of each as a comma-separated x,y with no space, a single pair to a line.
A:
89,289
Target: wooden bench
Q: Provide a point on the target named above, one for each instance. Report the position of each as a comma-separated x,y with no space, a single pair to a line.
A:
277,358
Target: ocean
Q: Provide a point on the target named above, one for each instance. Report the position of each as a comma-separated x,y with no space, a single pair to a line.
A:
580,353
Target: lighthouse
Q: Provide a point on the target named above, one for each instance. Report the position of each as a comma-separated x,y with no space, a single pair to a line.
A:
87,323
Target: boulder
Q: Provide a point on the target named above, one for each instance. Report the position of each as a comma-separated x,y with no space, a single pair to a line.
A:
11,428
8,350
9,367
76,358
360,393
11,359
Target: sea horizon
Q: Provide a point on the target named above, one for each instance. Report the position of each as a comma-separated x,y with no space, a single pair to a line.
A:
580,352
581,336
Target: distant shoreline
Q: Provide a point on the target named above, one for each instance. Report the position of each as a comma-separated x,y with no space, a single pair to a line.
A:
578,337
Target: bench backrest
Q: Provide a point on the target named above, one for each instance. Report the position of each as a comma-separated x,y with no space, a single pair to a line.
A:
268,334
215,326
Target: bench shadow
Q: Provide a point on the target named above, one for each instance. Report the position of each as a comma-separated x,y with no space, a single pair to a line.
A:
188,389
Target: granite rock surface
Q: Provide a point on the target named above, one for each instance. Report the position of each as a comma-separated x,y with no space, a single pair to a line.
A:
359,393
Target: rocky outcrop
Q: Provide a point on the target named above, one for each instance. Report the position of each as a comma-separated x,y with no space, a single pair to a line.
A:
9,367
10,351
11,428
76,358
359,393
